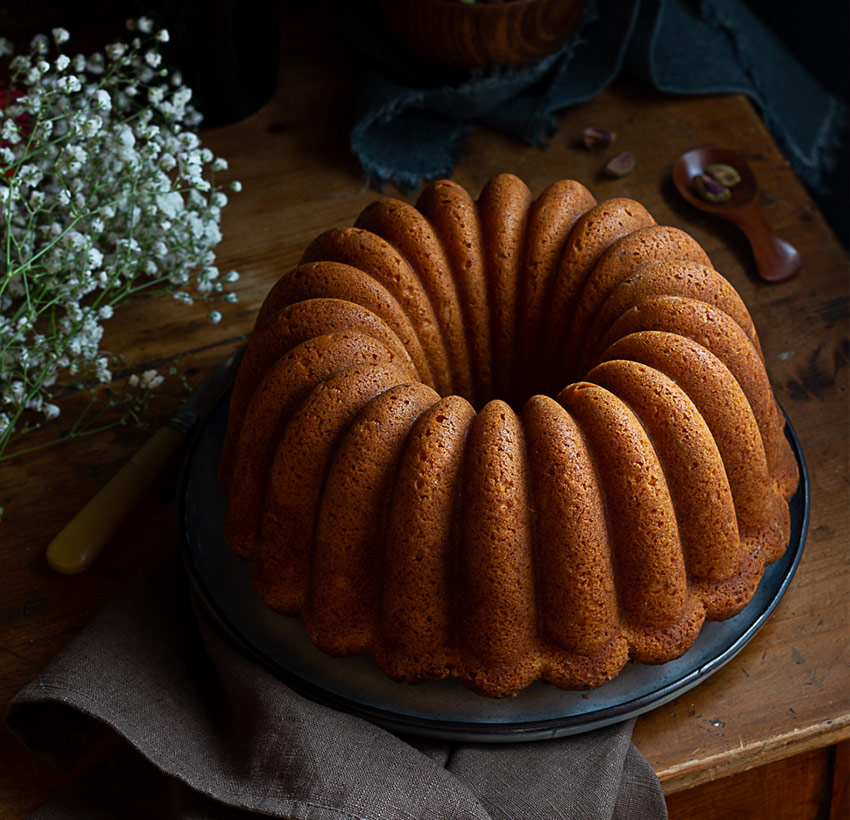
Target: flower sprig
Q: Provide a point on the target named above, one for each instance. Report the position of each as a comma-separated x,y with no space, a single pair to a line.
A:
106,194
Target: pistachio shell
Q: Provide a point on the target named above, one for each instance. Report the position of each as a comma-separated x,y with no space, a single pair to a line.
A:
710,189
597,137
726,175
620,165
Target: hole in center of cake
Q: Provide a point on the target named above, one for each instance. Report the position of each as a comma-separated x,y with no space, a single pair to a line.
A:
536,375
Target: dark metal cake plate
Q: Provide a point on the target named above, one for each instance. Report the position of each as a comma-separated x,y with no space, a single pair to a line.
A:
444,709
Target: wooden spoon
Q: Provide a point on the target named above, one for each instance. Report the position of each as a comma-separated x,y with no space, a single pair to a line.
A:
776,259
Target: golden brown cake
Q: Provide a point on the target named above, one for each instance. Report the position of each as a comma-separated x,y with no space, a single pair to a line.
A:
506,440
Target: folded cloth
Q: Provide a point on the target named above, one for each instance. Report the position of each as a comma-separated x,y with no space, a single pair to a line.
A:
210,734
409,128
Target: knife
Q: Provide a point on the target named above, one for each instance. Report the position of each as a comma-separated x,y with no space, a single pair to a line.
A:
83,538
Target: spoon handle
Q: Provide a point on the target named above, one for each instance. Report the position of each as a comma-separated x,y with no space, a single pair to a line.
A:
776,259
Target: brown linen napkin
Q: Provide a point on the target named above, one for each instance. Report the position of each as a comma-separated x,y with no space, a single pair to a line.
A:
211,734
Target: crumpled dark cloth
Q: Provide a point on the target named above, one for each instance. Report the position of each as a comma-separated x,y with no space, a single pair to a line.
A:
409,128
210,734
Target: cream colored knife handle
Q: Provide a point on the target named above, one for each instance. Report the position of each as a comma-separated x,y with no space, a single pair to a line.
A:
88,532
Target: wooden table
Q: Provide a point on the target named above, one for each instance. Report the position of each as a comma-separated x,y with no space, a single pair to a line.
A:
773,723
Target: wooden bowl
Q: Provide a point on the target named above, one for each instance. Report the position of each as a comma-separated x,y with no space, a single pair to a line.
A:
456,35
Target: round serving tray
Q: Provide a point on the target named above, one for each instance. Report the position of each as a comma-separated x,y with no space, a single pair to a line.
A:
445,709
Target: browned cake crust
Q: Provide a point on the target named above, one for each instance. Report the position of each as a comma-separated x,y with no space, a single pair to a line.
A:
342,614
506,440
283,388
381,261
593,233
338,281
418,602
286,329
550,221
503,209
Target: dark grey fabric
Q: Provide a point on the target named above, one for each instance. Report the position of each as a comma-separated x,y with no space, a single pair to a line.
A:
212,735
411,124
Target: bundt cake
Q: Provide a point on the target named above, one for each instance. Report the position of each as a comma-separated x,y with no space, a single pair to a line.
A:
506,440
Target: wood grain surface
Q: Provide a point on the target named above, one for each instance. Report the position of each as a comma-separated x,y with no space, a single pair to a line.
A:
785,695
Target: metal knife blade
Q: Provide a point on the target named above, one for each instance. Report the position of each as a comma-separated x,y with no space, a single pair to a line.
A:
199,405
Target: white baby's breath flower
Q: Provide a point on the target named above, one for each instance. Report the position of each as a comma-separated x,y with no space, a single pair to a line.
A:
212,233
19,64
90,126
30,174
40,44
95,64
102,100
115,51
151,379
189,140
170,204
101,370
94,258
125,136
60,36
113,190
236,186
7,47
70,84
145,25
163,36
151,133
